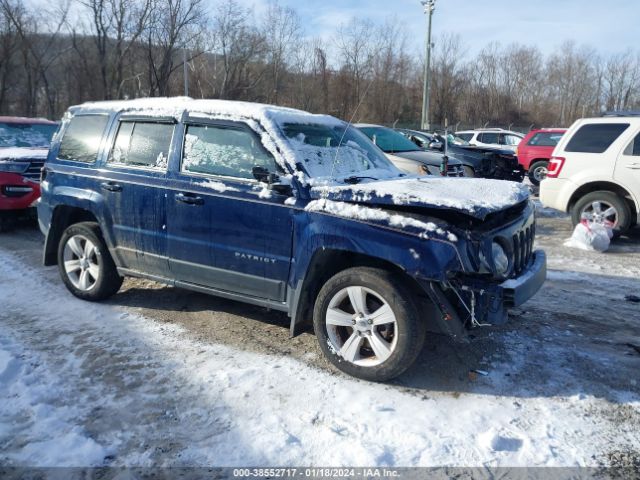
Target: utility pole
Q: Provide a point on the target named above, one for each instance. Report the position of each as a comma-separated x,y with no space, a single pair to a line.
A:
429,7
185,72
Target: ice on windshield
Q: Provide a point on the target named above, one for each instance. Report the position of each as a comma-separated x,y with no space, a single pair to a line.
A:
25,135
336,151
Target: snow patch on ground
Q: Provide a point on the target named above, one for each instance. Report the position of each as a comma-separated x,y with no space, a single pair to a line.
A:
87,384
36,412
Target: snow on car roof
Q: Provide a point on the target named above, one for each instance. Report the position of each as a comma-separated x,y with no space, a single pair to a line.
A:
175,106
260,117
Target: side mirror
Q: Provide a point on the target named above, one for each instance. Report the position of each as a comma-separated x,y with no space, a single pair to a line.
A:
263,175
435,145
272,180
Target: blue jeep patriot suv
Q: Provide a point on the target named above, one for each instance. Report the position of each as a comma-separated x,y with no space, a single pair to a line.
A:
292,211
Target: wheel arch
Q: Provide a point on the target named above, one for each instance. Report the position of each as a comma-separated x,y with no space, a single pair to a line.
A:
63,216
605,186
326,263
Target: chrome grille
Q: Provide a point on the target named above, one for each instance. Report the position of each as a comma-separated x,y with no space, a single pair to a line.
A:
33,172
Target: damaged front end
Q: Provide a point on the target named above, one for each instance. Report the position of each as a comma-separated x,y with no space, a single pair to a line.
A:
503,272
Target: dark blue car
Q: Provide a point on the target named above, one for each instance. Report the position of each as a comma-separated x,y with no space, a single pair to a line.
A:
292,211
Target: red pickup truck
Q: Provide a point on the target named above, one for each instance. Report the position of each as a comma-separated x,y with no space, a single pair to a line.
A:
24,144
535,149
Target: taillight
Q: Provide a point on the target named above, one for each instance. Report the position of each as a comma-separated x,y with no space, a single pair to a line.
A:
555,166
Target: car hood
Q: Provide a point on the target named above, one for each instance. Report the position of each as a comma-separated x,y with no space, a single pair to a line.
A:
471,196
429,158
20,153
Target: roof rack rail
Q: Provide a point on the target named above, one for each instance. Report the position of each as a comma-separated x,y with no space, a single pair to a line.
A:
622,113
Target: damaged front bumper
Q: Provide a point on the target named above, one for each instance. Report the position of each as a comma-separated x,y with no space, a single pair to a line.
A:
471,302
489,303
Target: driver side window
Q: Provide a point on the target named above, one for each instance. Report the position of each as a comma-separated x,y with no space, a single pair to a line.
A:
223,151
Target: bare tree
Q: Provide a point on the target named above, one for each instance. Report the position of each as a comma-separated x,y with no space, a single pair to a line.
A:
39,51
116,27
354,43
174,25
281,31
241,47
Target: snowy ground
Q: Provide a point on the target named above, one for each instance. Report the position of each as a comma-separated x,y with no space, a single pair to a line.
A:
163,377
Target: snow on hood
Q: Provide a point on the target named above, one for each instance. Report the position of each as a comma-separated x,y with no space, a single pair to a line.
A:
473,196
16,153
358,212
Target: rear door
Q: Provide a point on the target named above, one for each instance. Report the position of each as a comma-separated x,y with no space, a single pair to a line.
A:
226,231
133,186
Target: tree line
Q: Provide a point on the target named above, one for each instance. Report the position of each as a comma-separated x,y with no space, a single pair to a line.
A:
82,50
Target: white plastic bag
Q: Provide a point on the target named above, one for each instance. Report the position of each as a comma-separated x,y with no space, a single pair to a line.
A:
590,237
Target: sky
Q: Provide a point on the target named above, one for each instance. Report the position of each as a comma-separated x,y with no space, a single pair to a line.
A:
610,26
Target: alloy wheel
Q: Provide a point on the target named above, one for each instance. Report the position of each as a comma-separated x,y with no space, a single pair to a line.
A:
361,326
81,262
602,213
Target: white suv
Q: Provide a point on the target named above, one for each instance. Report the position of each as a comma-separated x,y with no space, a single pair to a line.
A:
594,172
492,137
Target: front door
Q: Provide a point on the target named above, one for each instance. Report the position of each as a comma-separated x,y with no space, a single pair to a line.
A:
628,167
226,230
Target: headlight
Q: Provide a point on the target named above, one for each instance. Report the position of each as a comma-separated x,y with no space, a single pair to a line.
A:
500,259
13,167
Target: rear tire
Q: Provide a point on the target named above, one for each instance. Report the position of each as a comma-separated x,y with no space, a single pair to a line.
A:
381,336
603,207
538,171
85,264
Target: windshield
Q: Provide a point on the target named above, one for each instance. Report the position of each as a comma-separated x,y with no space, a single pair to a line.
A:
389,140
331,151
26,135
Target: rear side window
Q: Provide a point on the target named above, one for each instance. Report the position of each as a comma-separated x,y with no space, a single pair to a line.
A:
224,151
82,137
595,137
633,149
488,138
142,144
546,139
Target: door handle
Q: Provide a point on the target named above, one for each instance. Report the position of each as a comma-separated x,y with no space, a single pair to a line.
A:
111,187
634,166
189,199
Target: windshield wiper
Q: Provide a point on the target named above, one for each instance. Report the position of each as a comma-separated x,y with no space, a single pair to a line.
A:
356,179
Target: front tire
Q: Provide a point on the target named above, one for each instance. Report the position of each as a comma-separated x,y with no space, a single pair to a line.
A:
366,322
85,264
604,208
